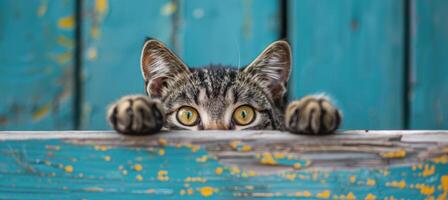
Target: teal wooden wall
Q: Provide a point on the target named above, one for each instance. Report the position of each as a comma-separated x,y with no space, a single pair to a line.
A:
383,61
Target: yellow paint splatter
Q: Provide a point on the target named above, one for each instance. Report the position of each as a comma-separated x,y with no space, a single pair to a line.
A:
444,183
297,166
251,173
324,195
202,159
397,184
162,175
101,6
246,148
66,22
195,148
267,159
103,148
351,196
138,167
219,170
370,197
41,112
352,179
394,154
68,169
107,158
190,191
290,176
139,177
279,155
235,170
168,9
442,159
371,182
303,194
206,191
425,189
428,170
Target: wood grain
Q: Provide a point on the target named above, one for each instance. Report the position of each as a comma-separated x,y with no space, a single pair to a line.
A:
113,35
353,51
428,94
36,65
224,165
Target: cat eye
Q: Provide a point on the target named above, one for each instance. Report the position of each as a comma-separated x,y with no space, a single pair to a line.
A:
187,116
244,115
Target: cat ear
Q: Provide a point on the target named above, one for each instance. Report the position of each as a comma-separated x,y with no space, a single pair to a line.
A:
271,69
160,67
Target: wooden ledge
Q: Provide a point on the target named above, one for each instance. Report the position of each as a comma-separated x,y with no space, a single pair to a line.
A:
225,164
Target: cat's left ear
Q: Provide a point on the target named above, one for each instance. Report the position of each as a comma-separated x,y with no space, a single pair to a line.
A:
272,68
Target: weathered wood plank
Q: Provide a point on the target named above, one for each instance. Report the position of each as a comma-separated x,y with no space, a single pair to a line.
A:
428,94
36,64
231,32
113,34
353,51
224,165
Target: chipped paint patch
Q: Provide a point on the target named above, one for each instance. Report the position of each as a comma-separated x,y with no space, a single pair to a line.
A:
206,191
66,22
41,112
101,6
168,9
394,154
42,9
68,168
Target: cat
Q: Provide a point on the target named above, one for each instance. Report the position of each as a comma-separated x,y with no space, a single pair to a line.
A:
218,97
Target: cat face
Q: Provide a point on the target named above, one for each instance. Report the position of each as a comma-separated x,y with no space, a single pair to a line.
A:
215,96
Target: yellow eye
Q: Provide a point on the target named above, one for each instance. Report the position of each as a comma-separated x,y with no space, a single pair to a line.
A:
244,115
187,116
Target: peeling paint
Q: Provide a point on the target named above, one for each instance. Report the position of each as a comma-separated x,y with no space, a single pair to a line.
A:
168,9
66,22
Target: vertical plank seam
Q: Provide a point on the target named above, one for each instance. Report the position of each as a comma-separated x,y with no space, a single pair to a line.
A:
175,27
77,107
407,56
283,33
283,19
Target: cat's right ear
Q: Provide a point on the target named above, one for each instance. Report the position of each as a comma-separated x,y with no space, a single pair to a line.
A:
160,67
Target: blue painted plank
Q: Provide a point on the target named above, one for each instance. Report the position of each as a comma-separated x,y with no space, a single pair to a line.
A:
429,65
181,166
114,32
353,51
229,32
36,64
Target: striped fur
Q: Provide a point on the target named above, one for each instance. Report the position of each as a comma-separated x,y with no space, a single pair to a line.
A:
215,91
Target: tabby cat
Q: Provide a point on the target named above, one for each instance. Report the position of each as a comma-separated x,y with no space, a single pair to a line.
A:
219,97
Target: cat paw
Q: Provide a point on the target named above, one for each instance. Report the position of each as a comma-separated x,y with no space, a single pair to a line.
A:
312,115
136,115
